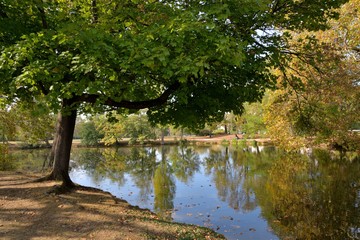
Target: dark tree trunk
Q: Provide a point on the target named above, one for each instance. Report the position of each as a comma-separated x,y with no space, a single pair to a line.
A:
62,148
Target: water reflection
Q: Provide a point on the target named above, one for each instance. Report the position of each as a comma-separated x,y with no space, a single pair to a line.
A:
178,182
316,198
185,162
34,160
164,186
243,195
235,174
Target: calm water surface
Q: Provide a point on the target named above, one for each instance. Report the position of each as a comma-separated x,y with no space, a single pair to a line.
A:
241,194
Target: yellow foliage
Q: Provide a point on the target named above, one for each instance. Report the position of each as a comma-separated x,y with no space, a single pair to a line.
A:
318,96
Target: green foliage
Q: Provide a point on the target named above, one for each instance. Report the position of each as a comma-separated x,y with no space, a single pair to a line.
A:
115,127
189,63
252,119
89,134
138,128
28,122
111,128
7,126
234,142
242,144
225,142
35,123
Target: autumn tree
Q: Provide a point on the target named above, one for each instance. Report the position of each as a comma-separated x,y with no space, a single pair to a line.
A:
188,62
319,102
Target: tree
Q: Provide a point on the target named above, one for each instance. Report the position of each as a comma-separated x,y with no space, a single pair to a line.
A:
252,119
188,62
138,128
88,133
117,126
321,105
34,124
26,122
7,128
111,128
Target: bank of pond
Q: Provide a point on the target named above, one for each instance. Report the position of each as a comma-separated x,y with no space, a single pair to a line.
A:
252,193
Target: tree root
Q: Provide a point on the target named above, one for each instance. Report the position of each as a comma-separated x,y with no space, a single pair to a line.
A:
49,177
60,189
66,186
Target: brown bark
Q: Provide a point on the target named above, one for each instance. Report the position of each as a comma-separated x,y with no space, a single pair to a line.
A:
62,147
65,133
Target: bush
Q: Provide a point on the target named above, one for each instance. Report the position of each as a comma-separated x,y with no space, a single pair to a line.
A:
89,135
204,132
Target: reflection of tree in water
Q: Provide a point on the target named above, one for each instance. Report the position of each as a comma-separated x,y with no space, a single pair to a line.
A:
86,158
113,163
311,199
101,163
164,187
141,164
235,174
185,162
24,160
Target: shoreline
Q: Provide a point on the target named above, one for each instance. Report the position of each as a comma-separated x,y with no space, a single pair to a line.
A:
228,139
29,212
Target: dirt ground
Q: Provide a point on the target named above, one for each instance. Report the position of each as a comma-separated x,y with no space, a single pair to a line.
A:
28,211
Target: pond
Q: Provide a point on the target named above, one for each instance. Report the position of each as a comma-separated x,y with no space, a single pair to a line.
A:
242,194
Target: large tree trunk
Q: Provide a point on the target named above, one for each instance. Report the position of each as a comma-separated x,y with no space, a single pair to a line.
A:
62,148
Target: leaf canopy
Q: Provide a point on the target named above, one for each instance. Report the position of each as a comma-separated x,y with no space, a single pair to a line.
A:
188,62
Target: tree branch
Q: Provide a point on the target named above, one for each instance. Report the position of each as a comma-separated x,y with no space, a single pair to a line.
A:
162,99
94,11
43,18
